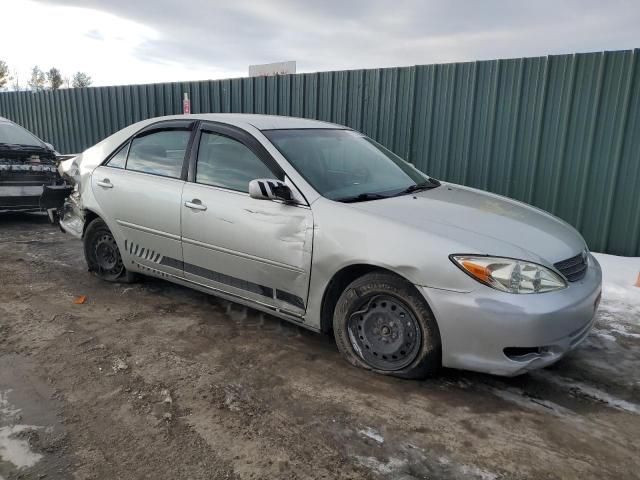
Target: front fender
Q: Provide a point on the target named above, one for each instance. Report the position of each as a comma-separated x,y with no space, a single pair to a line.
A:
346,236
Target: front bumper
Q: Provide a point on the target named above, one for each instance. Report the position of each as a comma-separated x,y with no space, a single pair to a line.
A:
536,330
33,197
20,198
53,196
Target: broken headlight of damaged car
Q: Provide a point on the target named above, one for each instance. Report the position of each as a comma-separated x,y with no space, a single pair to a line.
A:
510,275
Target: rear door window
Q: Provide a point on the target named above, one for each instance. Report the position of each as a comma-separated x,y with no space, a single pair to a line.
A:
159,153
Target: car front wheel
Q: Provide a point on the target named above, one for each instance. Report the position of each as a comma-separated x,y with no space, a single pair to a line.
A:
102,254
383,324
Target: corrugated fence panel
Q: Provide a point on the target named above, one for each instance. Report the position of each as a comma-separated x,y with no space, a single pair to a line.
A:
623,234
560,132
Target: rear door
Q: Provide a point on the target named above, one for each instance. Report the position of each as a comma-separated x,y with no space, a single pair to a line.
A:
254,249
139,190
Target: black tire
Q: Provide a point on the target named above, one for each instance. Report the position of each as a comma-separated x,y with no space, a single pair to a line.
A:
102,254
381,323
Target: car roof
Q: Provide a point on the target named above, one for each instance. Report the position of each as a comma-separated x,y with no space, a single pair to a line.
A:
261,122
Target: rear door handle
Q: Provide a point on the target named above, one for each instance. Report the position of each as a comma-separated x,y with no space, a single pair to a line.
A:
106,183
195,204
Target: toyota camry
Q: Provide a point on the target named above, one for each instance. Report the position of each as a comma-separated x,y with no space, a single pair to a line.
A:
320,225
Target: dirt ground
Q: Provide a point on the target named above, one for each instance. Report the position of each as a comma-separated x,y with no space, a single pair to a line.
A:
153,380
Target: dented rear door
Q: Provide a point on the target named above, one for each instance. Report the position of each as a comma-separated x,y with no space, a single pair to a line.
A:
254,249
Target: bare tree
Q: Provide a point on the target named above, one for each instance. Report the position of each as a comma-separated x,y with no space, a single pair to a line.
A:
15,84
37,80
81,80
5,77
54,78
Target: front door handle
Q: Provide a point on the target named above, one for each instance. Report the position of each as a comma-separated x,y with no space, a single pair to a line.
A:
106,183
195,204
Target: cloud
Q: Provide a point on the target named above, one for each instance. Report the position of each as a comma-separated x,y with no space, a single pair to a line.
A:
169,40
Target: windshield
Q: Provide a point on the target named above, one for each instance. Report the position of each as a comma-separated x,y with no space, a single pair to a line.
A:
15,134
343,164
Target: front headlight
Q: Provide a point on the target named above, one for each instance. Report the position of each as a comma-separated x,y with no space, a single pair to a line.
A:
510,275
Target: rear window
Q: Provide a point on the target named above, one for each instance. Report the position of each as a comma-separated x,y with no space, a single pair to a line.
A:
15,134
159,153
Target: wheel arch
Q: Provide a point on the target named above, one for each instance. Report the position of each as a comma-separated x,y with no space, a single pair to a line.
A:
89,216
339,281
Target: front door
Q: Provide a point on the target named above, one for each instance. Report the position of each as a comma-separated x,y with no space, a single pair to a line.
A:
140,190
254,249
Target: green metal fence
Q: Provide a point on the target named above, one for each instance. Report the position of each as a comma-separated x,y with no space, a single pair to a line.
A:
559,132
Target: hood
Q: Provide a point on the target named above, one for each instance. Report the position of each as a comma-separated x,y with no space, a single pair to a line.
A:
483,222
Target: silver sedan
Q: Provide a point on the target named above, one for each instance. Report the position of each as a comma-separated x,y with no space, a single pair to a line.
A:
317,224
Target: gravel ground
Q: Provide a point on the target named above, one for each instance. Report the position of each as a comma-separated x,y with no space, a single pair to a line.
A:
153,380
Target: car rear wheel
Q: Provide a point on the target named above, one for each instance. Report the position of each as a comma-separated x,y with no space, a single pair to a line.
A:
102,254
381,323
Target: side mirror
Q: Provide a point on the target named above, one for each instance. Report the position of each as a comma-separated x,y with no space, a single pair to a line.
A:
268,189
49,146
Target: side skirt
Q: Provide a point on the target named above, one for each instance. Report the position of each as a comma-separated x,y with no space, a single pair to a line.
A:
298,320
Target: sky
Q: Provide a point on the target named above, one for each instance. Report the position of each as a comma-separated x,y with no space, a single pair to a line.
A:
146,41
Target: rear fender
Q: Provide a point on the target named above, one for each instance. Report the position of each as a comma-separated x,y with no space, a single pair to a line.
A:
73,216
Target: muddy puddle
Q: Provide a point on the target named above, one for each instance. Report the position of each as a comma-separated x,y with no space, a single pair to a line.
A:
31,436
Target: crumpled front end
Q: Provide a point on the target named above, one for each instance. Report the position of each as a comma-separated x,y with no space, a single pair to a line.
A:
25,174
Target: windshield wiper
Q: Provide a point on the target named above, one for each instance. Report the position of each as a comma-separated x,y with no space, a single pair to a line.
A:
426,185
362,197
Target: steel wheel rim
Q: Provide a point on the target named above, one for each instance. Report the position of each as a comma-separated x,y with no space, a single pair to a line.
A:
107,256
385,333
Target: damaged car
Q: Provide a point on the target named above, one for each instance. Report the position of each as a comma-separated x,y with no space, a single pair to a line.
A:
318,224
29,180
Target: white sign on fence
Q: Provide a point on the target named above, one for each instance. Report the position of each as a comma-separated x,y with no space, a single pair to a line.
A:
270,69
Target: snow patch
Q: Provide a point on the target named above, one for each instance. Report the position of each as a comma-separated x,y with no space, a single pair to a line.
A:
622,330
394,465
7,411
589,392
372,434
619,293
603,334
397,468
467,470
520,398
15,450
620,273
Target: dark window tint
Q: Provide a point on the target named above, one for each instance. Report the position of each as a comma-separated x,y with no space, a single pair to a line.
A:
119,159
160,153
224,162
